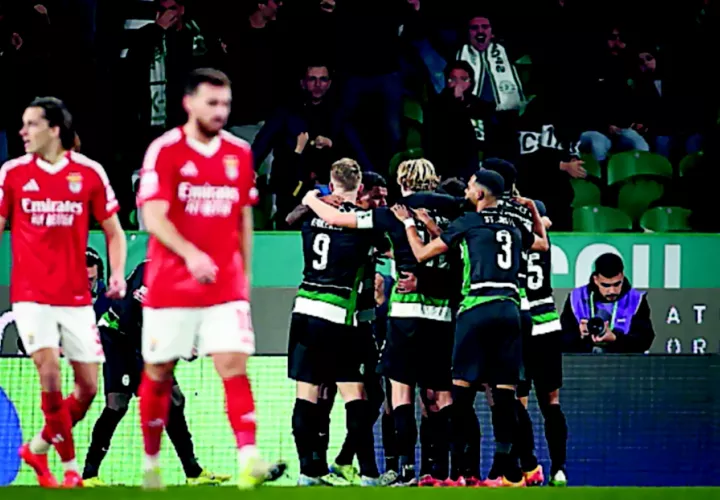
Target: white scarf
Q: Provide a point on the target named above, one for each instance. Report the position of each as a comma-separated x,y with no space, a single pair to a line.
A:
507,87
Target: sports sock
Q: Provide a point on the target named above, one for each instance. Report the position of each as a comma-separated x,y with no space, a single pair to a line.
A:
154,410
40,444
440,421
101,436
324,408
304,425
389,442
524,445
464,434
556,435
406,428
426,445
240,408
360,435
179,434
505,429
59,423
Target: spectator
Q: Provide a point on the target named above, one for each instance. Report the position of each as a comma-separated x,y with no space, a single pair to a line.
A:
496,80
422,63
610,126
305,138
456,124
369,72
607,315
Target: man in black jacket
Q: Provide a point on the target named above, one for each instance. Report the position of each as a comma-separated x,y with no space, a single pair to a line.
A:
607,315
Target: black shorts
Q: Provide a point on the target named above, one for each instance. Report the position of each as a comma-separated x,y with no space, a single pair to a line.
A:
322,352
418,352
488,346
123,364
542,357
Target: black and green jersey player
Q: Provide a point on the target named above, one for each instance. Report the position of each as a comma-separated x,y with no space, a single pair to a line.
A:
542,357
487,336
372,194
325,345
120,332
418,348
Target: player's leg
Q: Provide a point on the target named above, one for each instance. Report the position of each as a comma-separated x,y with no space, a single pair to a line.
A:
399,366
326,401
389,437
225,333
168,335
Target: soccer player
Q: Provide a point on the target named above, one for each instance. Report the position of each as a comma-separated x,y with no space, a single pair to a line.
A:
418,348
196,194
524,448
120,331
542,357
325,345
487,336
49,195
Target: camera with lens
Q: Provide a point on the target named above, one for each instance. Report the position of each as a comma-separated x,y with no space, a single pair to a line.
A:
596,324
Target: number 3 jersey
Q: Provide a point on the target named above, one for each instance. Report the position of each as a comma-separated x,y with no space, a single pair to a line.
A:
335,261
491,247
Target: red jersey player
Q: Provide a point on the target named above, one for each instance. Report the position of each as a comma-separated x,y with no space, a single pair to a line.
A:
196,193
49,195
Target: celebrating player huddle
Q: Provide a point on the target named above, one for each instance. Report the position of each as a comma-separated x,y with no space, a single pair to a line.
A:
459,321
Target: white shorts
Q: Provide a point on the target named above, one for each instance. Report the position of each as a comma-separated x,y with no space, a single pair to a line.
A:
173,333
43,326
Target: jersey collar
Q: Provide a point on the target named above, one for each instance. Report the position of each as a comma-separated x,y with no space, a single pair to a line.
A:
208,150
52,168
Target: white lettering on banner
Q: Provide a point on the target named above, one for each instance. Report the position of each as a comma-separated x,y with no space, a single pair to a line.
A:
640,259
673,316
531,142
674,346
699,313
208,200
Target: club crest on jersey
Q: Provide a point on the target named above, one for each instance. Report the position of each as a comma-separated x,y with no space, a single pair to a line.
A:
75,182
232,164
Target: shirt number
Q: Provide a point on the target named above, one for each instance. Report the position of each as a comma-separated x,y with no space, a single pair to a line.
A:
321,247
504,257
535,272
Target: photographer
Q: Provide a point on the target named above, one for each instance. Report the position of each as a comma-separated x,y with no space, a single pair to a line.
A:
607,315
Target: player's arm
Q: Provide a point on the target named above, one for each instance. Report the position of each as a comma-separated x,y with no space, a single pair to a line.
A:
117,251
154,214
423,216
541,242
246,240
421,251
2,224
332,215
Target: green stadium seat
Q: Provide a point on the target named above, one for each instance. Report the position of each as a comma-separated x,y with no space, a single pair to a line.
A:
586,193
410,154
636,196
625,166
597,219
413,110
592,166
689,162
666,219
413,140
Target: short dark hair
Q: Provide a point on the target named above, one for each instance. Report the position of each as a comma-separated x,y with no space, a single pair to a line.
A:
372,180
453,186
460,64
503,167
211,76
492,181
159,8
57,115
609,265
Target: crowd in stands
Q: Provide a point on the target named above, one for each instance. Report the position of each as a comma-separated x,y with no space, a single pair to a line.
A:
606,107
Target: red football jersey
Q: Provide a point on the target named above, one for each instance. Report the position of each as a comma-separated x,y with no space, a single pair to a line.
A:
49,209
207,186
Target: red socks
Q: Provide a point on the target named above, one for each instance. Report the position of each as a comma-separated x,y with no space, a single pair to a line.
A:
77,413
240,409
155,398
58,423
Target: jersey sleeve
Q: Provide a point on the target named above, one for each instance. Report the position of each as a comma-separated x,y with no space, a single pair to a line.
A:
5,192
156,176
103,201
455,232
249,194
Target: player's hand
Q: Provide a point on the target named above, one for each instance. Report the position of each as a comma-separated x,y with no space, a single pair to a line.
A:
333,200
525,202
546,222
574,168
379,289
401,212
323,142
310,195
407,283
583,328
116,287
202,267
422,215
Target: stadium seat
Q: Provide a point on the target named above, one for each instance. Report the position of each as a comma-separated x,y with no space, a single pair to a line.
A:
400,157
689,162
586,193
592,166
625,166
413,139
666,219
597,219
413,110
637,195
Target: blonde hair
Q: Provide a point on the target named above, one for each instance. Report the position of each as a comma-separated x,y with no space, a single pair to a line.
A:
417,175
346,174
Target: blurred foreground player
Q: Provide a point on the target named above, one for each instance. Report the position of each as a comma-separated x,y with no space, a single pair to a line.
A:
196,194
120,331
49,195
